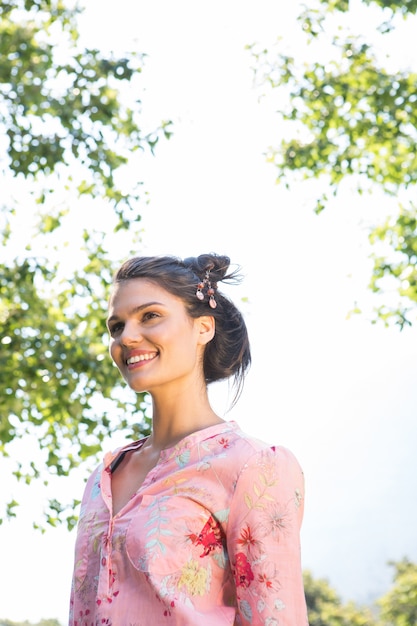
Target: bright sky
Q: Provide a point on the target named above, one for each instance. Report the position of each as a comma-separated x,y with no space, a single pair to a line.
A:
340,393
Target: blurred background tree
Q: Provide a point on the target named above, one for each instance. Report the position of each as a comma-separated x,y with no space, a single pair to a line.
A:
43,622
70,122
325,608
350,122
399,605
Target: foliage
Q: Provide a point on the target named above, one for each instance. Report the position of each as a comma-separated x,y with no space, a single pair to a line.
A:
349,119
325,608
399,605
63,105
43,622
70,117
409,6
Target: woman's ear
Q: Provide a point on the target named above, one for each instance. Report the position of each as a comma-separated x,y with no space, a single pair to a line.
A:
207,328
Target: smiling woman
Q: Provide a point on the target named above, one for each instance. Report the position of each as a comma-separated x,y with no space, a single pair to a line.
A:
146,339
198,523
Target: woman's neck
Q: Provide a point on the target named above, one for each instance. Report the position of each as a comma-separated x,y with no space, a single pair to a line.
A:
175,418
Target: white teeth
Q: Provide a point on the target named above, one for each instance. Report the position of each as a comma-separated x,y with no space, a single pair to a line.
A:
139,357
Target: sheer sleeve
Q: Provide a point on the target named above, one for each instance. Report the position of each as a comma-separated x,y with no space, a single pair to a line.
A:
264,540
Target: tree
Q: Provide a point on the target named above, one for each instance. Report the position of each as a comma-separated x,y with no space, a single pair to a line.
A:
399,605
325,608
350,120
71,116
43,622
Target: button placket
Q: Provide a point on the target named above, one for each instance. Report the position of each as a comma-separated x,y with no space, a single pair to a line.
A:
106,576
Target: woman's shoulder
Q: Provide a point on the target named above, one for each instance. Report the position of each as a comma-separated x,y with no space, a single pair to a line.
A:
245,449
258,444
269,471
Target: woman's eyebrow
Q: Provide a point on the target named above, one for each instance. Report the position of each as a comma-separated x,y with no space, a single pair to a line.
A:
135,310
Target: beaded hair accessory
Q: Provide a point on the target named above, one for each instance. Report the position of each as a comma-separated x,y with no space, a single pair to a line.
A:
206,284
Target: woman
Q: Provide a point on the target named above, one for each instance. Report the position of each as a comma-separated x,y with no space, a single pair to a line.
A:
197,524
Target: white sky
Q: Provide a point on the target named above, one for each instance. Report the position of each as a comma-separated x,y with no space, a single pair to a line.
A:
340,393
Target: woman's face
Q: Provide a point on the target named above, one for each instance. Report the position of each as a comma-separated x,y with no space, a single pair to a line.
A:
153,341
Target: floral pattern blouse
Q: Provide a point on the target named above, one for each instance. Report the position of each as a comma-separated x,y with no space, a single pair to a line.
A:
211,538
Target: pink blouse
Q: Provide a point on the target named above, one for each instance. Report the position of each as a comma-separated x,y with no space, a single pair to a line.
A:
211,538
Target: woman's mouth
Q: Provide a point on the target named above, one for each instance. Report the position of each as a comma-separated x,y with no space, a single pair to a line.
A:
138,358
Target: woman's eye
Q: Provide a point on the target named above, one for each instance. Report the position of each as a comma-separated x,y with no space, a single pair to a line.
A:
113,330
150,315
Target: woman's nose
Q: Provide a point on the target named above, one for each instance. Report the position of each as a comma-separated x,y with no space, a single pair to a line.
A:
131,335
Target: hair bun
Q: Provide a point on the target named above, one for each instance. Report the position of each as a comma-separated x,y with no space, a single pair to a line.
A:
217,264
